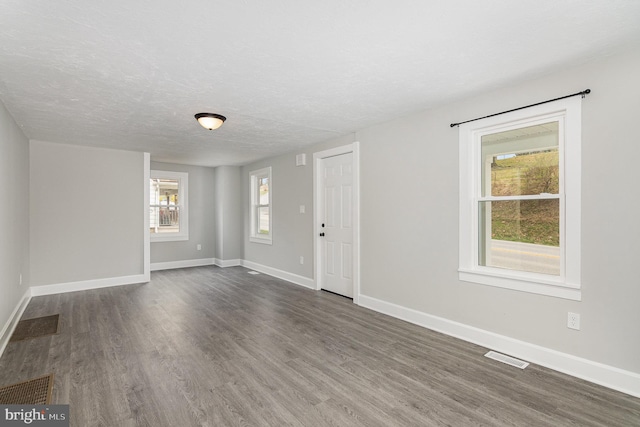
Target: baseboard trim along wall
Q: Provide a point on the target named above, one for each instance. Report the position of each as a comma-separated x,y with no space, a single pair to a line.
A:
618,379
228,262
13,320
156,266
85,285
280,274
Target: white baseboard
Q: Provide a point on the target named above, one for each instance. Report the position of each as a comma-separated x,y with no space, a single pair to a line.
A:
280,274
13,320
228,262
156,266
598,373
84,285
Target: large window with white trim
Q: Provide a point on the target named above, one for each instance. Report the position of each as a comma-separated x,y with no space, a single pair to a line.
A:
261,213
168,206
520,200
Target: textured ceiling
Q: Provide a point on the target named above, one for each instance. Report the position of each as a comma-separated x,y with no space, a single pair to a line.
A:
285,73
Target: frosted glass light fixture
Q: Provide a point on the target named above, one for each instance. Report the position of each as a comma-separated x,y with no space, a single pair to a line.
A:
210,121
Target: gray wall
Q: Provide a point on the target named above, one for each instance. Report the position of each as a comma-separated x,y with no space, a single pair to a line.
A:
409,218
14,214
86,213
201,217
228,213
292,231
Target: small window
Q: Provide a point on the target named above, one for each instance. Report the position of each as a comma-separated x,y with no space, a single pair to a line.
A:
261,218
520,200
168,219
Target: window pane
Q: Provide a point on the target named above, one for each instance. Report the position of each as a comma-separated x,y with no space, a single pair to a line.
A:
164,216
263,220
168,191
260,226
263,191
164,219
164,191
520,235
521,161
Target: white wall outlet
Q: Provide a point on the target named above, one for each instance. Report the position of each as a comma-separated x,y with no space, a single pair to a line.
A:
301,259
302,209
199,247
573,321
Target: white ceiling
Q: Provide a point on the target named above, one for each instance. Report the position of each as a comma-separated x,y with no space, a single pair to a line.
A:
130,74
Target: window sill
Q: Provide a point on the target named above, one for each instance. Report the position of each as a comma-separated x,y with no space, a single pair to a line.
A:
531,284
262,240
168,238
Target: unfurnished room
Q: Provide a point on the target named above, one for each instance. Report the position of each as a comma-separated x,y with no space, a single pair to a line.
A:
337,213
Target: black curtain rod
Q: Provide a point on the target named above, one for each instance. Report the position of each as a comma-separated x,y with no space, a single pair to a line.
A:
583,93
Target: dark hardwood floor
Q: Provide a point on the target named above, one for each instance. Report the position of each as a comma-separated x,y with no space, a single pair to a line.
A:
219,347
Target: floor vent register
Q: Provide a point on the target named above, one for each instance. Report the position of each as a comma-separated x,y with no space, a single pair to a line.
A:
507,359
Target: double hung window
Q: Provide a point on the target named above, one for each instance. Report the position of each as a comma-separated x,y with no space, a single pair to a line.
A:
520,200
261,218
168,209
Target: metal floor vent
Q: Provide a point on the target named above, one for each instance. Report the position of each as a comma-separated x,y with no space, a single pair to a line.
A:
253,272
507,359
36,391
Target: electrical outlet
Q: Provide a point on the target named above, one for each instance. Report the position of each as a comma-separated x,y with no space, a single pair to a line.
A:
301,260
199,247
573,321
302,209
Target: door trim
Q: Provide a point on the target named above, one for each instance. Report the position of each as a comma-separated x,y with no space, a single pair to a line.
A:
317,158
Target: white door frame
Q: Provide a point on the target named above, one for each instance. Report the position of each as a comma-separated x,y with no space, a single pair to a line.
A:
317,191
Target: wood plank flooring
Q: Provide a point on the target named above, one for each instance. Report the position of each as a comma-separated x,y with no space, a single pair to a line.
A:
208,346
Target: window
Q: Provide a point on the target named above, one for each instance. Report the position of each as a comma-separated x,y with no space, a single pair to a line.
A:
520,200
261,221
168,210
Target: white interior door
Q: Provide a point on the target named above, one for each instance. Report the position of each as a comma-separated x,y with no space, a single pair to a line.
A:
336,224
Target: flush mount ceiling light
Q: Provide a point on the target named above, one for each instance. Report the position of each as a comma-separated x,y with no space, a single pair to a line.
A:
210,121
